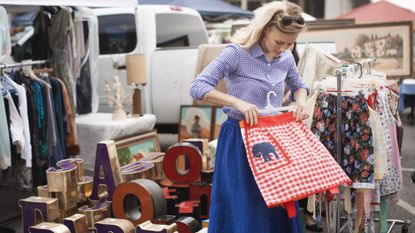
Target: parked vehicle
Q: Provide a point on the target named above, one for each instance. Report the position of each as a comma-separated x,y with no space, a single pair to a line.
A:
169,37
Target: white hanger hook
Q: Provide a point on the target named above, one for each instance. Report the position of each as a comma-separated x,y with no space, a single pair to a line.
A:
269,105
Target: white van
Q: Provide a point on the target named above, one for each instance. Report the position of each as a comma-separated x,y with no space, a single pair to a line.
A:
169,37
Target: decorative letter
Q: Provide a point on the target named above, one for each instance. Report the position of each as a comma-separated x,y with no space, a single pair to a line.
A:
141,192
148,227
113,225
192,154
47,207
201,192
76,223
187,225
107,159
48,227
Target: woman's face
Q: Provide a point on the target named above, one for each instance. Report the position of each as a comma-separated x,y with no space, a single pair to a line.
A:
275,41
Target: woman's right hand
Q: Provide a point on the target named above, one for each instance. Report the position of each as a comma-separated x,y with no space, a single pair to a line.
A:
250,111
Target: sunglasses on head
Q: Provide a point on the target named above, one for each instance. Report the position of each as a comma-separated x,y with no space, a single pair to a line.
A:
288,20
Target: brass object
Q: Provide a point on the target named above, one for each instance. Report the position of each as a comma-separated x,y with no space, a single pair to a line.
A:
62,180
85,189
77,223
66,213
95,213
137,170
205,223
66,200
51,205
157,159
43,191
114,162
125,225
53,227
79,166
147,227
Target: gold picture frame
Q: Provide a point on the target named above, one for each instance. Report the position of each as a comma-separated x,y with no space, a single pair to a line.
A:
195,122
131,149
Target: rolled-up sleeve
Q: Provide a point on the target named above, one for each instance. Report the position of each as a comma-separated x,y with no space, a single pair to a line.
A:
294,81
226,63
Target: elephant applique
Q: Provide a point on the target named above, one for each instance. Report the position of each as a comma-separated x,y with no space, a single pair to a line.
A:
264,150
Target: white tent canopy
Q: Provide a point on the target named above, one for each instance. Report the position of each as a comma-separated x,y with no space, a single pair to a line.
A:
90,3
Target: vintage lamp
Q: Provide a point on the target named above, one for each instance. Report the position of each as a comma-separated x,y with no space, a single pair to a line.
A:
136,76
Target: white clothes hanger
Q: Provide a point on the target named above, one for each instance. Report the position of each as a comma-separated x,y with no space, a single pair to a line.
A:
269,109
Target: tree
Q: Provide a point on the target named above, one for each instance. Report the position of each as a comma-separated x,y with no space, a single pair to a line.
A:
361,40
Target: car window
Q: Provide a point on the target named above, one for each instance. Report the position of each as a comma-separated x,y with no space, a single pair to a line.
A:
175,30
117,34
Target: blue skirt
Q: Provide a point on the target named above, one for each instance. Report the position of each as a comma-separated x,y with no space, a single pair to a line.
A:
237,205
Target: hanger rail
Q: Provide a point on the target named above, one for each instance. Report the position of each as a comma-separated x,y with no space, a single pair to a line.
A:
29,63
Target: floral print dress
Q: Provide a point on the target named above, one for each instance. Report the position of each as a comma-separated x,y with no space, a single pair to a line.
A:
392,180
357,158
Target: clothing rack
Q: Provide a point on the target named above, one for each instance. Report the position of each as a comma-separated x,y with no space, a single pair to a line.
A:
341,72
15,217
29,63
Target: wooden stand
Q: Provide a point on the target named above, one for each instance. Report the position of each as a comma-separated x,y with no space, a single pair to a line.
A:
137,102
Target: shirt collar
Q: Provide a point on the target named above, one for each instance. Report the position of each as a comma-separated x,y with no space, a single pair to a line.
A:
258,52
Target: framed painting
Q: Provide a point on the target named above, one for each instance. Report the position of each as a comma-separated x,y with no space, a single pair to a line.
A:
218,120
132,149
389,43
195,122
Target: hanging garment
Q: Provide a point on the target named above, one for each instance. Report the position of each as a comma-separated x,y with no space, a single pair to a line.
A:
60,112
84,91
357,158
392,180
91,54
5,154
51,137
378,145
236,204
314,65
287,160
16,125
5,42
40,41
72,146
26,152
60,30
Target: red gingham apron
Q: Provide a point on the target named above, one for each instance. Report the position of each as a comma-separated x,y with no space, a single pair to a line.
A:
288,162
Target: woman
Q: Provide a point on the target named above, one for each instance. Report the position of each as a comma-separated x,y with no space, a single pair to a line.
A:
257,62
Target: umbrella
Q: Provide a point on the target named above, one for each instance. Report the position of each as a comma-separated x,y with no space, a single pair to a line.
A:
207,8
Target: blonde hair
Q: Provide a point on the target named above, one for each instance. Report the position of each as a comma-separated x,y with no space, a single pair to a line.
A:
268,15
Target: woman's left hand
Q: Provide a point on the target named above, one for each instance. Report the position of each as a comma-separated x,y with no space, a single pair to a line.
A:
301,113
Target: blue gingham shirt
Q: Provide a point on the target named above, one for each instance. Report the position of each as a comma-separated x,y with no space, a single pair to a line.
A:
249,77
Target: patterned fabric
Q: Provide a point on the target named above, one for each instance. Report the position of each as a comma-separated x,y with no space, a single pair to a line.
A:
288,161
237,205
249,77
392,180
378,134
357,158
